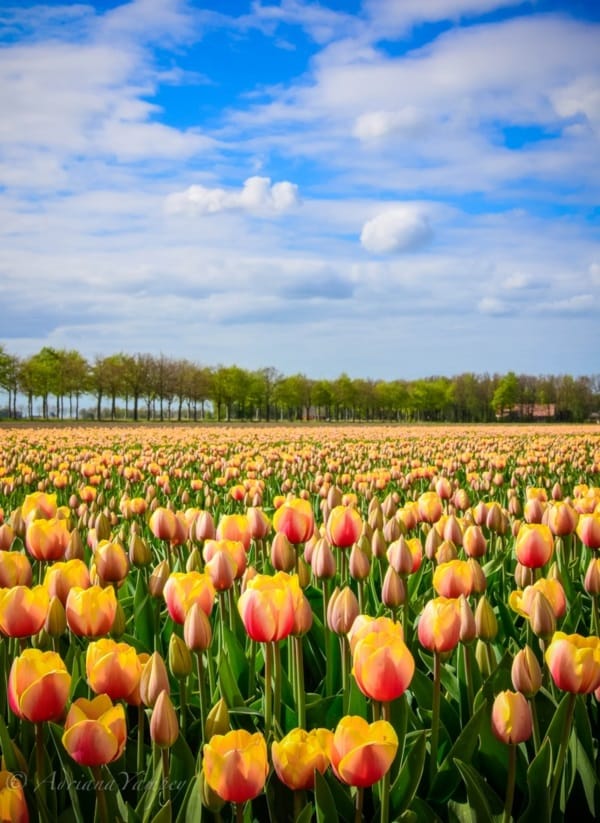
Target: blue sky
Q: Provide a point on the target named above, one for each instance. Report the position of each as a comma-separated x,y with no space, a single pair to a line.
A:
390,188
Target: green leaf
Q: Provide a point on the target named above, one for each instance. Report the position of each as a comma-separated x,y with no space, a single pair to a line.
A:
229,687
143,614
306,815
447,777
148,801
8,749
191,808
326,809
409,777
164,815
589,777
539,775
482,798
56,734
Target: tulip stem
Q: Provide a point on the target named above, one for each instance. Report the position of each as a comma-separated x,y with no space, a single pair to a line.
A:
278,678
201,694
252,669
345,656
510,782
564,743
166,784
385,780
140,739
326,636
183,705
435,715
536,725
268,689
468,677
300,698
358,804
239,812
39,765
595,627
101,805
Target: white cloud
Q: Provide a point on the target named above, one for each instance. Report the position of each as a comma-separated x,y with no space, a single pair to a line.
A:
576,304
257,196
376,124
594,271
493,306
401,229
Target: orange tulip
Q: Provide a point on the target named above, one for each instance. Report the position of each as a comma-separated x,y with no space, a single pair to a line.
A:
39,505
183,589
453,578
15,570
113,668
534,545
234,549
234,527
38,686
574,662
259,524
61,577
91,612
562,519
382,665
164,726
525,673
511,717
267,606
47,539
235,765
299,754
521,601
13,806
95,731
23,611
362,753
439,624
429,507
295,519
588,530
344,526
474,542
365,625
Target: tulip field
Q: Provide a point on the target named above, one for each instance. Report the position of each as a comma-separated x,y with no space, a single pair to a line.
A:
302,623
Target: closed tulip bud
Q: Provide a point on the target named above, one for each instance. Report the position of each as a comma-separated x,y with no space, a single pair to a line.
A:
480,513
7,536
102,526
592,577
204,526
75,550
474,542
375,519
486,623
524,576
323,561
494,518
221,569
479,579
303,617
158,579
194,561
283,554
439,624
468,629
511,718
56,619
432,543
533,511
393,590
344,526
515,509
485,657
164,726
303,572
119,623
154,679
541,616
379,543
180,658
391,531
342,610
359,564
526,674
562,519
588,529
140,553
197,631
217,721
258,523
111,561
400,557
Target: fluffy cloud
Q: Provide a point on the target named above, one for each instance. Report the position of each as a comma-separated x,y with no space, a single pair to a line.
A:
376,124
257,196
401,229
493,306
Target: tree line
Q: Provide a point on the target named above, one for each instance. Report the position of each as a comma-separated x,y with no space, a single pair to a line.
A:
145,386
